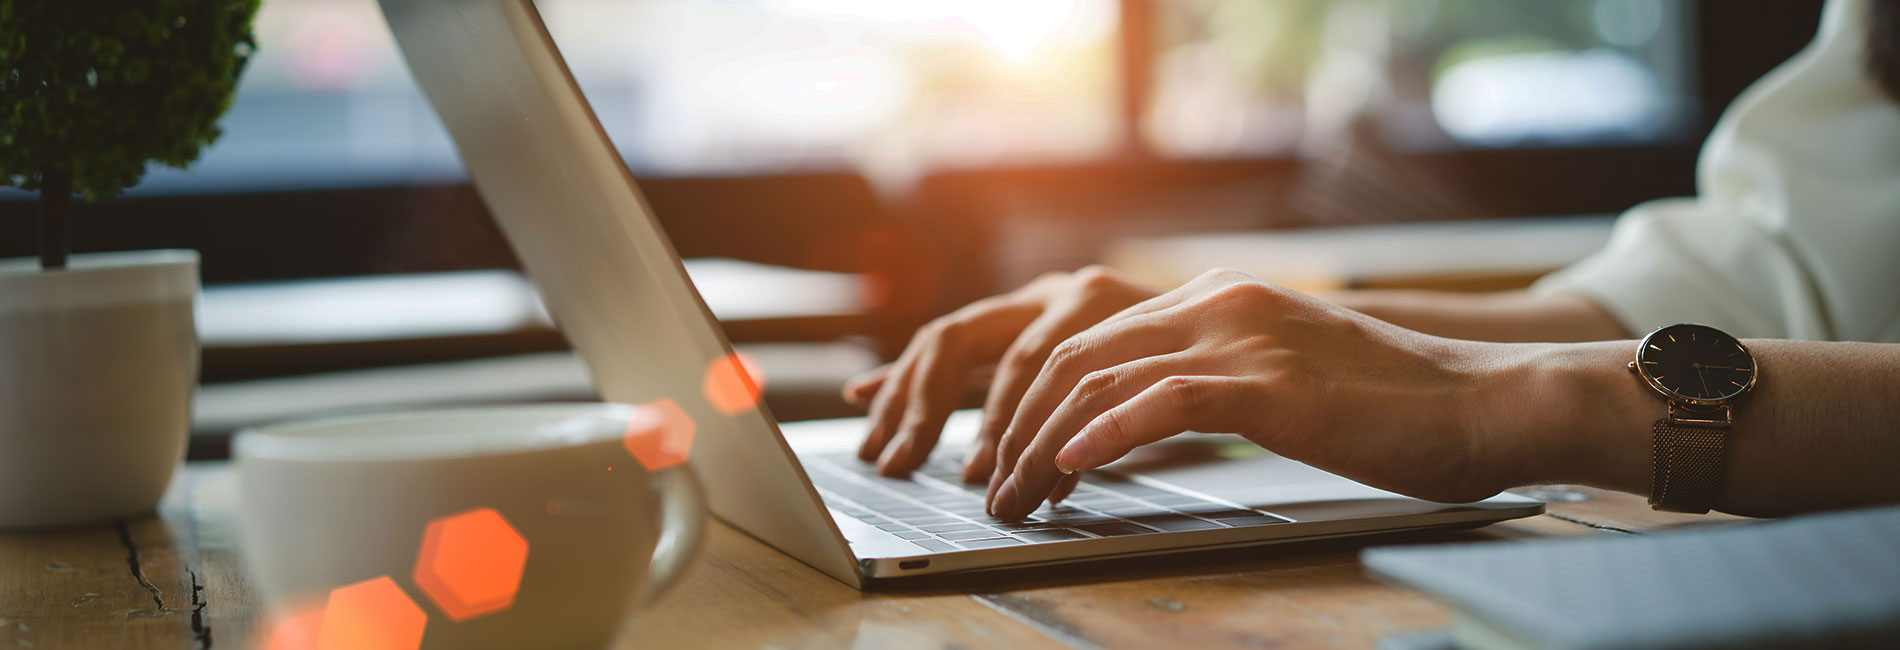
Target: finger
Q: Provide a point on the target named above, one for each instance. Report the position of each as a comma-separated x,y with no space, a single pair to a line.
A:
1014,373
1064,487
1102,346
1034,475
980,461
1171,406
859,390
941,373
936,385
887,405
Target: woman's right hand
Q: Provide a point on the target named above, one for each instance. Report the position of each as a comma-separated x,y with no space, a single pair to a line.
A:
1013,333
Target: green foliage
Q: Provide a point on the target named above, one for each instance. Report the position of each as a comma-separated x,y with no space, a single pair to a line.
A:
98,89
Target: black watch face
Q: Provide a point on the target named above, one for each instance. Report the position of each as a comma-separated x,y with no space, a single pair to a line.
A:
1696,363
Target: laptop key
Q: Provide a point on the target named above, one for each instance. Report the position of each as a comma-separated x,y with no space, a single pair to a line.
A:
1256,520
1113,529
979,533
912,535
1131,512
1173,522
1023,525
1181,501
934,545
1223,512
950,528
1049,535
991,543
892,527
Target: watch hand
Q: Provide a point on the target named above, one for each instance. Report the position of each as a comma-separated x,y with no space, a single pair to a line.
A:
1705,380
1721,367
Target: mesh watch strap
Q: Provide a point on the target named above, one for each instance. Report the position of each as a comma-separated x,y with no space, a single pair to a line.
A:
1688,466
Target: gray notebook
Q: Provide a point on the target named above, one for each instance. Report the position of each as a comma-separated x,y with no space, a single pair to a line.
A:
1819,581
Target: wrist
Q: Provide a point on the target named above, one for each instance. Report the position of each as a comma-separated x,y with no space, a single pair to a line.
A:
1566,413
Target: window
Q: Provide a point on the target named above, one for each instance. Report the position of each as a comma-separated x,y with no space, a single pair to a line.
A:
895,89
686,86
1262,77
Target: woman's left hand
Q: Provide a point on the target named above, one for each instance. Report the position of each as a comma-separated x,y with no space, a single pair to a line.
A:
1227,353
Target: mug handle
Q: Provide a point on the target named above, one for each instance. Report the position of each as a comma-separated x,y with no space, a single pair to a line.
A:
682,529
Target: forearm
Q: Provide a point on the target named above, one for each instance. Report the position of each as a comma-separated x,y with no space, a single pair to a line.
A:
1821,429
1507,316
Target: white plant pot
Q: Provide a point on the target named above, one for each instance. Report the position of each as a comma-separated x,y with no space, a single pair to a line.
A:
97,367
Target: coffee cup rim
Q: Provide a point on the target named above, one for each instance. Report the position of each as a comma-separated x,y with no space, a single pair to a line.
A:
436,433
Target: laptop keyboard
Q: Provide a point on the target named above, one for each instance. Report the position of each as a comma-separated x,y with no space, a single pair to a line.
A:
936,511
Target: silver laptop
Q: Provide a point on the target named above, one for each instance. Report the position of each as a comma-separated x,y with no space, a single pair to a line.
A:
574,215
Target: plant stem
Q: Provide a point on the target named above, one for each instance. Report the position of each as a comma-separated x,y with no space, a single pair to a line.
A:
56,214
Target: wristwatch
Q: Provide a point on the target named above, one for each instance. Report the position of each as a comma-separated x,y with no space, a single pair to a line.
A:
1702,374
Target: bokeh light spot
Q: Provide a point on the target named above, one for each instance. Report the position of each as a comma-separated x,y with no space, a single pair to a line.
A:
660,434
371,615
294,630
733,384
471,563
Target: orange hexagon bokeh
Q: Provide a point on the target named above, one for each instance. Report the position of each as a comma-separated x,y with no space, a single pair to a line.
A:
660,434
471,563
733,384
371,615
294,630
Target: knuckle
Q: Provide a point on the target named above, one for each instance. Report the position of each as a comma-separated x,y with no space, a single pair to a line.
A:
1067,354
1112,427
1185,391
949,330
1248,294
1009,438
1223,274
1098,382
1095,277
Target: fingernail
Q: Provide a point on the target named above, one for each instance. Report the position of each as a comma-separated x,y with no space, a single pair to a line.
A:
1073,455
1005,501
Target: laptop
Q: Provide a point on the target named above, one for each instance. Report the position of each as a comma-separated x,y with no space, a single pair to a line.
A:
574,215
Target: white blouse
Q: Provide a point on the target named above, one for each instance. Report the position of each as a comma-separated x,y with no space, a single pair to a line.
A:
1795,232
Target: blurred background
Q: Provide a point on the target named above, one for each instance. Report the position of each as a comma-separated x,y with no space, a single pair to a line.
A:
840,171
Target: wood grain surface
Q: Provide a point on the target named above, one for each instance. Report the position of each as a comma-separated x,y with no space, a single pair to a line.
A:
176,581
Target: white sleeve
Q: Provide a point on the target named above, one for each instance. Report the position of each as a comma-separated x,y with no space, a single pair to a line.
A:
1796,230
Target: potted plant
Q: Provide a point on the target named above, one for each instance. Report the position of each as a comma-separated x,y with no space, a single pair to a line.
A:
99,352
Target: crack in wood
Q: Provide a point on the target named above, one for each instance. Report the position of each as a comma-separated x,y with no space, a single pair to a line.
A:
132,562
200,630
1591,524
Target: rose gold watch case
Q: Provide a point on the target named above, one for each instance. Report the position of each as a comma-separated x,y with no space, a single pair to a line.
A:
1674,397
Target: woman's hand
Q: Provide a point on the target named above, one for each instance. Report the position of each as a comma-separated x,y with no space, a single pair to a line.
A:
1226,353
1011,335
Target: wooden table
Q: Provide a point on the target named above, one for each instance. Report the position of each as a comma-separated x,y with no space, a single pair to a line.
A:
176,581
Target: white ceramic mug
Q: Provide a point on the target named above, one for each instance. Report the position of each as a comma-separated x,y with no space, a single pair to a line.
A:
344,520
